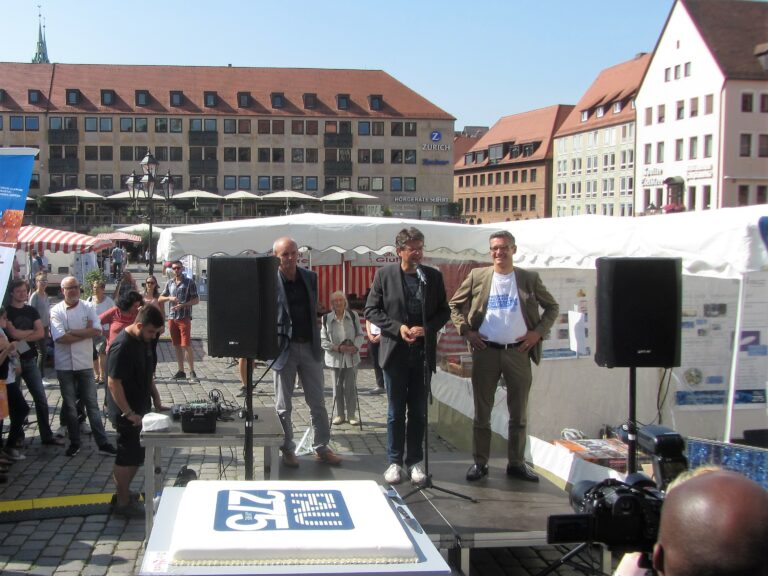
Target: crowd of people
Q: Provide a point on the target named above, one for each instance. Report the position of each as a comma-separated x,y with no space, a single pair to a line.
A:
502,311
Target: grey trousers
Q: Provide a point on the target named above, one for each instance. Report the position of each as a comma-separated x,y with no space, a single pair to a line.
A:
302,363
487,366
344,393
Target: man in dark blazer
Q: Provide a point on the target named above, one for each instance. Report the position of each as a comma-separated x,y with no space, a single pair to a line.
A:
299,334
395,305
496,309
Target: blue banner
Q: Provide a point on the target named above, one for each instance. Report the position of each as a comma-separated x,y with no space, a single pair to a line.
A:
15,173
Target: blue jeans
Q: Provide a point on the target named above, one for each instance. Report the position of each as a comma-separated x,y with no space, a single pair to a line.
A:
406,420
30,373
81,384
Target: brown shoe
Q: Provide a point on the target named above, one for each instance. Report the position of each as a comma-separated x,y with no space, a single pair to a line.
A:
326,456
290,460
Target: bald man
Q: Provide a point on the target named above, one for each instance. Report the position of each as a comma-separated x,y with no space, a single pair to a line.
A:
714,525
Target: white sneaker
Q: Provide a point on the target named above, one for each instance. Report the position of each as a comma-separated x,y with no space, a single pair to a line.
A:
85,428
61,432
418,477
14,454
394,474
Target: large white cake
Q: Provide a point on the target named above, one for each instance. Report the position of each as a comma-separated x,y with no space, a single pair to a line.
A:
273,523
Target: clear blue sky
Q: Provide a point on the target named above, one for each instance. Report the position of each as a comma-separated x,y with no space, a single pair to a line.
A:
477,60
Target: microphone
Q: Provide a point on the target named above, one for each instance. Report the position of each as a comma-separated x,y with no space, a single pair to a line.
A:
421,275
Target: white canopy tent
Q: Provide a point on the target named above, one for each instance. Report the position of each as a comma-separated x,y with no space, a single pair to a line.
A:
719,245
319,232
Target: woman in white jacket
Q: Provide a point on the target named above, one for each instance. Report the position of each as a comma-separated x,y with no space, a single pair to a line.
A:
341,337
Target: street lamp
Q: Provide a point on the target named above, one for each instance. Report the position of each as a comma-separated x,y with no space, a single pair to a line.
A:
147,183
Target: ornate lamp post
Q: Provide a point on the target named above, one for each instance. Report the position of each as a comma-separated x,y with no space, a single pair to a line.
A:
147,183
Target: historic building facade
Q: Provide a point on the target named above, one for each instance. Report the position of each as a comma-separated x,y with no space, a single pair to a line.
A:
223,129
594,158
507,174
702,109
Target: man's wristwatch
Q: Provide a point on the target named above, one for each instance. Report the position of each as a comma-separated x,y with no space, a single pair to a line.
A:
128,413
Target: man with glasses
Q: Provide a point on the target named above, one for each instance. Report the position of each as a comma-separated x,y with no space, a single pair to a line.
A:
395,305
181,293
74,324
26,328
496,309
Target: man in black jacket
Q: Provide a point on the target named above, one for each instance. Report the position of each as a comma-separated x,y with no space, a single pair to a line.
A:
395,305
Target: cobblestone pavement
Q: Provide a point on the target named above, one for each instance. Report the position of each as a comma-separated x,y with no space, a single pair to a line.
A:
103,544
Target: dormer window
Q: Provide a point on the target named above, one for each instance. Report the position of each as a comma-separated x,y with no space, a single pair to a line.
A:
73,96
2,95
142,97
278,100
243,99
514,152
107,97
584,115
342,101
376,101
468,159
528,150
210,99
600,112
616,107
34,96
310,100
177,97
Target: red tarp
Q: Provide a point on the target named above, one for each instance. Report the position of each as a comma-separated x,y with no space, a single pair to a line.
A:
48,239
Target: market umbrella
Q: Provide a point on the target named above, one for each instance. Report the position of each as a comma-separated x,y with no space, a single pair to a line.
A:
126,195
344,195
196,195
288,195
120,237
242,195
76,193
141,229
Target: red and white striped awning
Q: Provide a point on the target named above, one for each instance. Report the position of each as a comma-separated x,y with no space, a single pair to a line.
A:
39,238
120,237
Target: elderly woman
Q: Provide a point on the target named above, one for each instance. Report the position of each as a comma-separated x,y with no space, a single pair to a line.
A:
341,338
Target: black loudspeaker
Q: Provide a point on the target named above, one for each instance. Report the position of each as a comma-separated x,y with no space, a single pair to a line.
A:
242,307
639,308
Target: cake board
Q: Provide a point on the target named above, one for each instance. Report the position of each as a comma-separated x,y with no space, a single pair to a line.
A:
156,561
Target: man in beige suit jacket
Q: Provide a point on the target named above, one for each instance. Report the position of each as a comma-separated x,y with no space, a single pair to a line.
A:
497,310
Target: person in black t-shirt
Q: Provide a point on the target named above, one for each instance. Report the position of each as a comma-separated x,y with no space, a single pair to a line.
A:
26,329
131,390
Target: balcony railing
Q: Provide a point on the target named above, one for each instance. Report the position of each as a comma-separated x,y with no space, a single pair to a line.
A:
337,140
334,168
63,165
207,167
204,138
63,137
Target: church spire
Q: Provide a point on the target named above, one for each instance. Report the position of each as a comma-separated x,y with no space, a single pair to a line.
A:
41,56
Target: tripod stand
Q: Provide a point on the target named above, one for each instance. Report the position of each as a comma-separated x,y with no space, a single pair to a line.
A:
426,382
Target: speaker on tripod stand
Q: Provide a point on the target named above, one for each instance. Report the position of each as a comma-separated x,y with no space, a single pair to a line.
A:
242,320
639,310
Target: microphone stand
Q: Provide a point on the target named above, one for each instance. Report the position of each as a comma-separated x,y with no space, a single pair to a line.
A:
427,378
248,449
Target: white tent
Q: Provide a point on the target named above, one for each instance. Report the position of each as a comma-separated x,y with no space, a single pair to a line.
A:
319,232
714,243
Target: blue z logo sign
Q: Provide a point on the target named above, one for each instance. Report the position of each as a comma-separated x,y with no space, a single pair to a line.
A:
435,136
249,510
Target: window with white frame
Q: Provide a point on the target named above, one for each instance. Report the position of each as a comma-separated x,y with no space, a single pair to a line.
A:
616,107
600,112
584,115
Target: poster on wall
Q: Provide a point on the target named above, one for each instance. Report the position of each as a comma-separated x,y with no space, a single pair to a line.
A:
708,326
574,291
15,173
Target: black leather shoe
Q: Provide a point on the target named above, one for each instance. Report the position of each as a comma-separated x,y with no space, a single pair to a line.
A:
477,471
522,472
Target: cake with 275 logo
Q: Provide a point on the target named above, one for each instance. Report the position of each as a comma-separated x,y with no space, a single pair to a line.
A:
288,523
